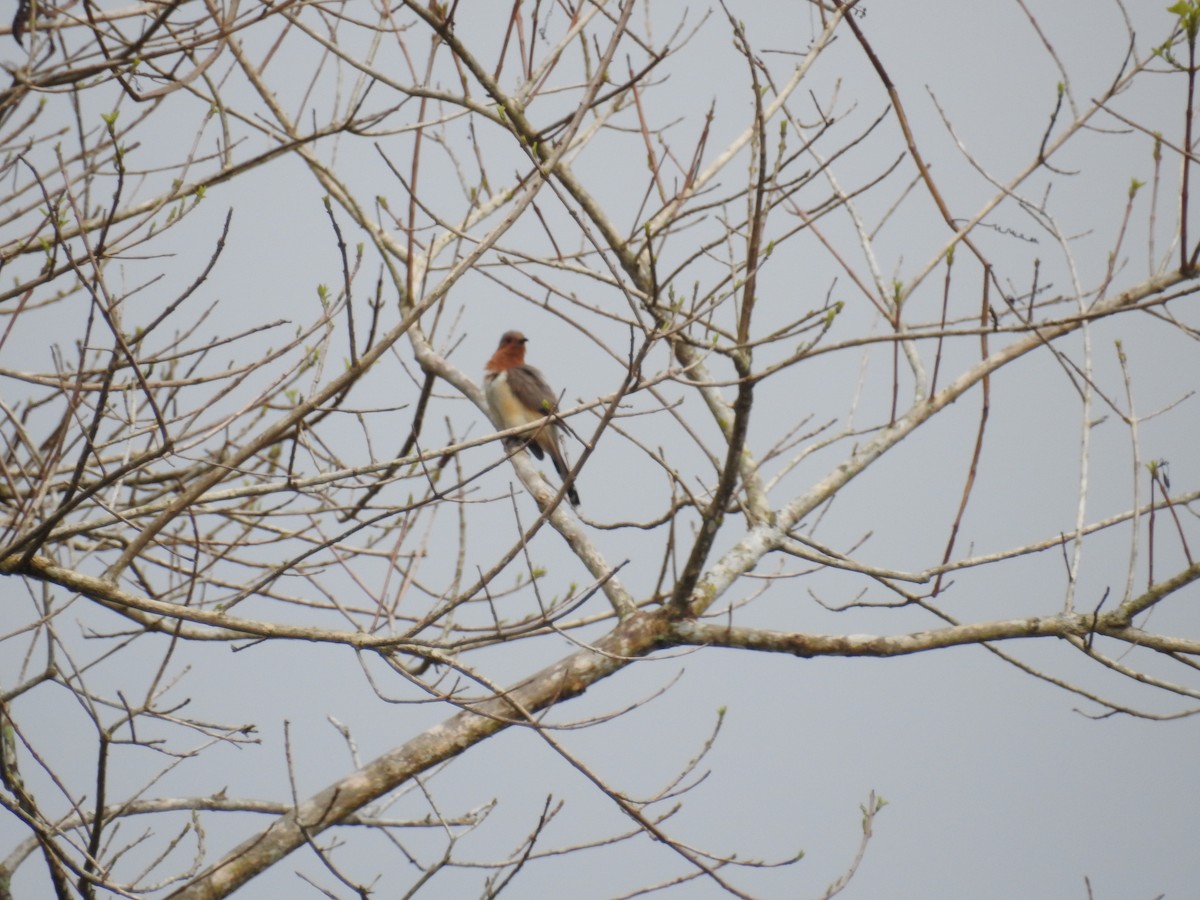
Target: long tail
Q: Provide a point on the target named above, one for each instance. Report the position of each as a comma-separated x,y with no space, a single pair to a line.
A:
561,467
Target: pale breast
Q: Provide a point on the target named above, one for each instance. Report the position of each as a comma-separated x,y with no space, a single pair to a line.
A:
505,405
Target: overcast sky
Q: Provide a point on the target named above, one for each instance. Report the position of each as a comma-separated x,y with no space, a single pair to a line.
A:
999,785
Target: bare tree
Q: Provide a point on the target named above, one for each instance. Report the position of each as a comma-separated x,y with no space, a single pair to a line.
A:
802,326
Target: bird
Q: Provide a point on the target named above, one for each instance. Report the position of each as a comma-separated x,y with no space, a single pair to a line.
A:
517,395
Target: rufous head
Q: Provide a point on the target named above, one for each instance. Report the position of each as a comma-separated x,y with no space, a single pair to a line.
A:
510,353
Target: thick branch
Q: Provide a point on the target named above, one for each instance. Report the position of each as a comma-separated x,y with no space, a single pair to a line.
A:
570,677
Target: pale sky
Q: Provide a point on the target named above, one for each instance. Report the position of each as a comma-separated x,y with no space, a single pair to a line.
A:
999,785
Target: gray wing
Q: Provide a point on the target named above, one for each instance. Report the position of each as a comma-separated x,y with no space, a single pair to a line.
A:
531,391
530,388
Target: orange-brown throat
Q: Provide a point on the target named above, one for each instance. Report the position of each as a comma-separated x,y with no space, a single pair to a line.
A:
510,353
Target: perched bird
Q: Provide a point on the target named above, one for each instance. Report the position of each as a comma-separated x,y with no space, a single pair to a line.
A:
518,395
